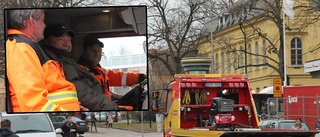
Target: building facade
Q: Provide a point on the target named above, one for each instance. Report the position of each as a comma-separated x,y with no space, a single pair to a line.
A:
248,45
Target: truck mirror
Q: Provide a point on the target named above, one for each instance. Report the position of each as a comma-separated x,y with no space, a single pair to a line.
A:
165,114
155,94
155,105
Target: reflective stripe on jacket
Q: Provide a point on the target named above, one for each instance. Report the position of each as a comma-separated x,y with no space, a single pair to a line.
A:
115,78
35,87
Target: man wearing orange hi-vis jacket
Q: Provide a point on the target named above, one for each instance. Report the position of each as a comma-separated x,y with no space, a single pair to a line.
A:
91,56
35,82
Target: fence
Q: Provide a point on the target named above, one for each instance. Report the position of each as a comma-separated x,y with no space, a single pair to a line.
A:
305,107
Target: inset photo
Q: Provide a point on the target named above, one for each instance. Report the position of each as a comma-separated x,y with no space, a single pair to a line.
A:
76,59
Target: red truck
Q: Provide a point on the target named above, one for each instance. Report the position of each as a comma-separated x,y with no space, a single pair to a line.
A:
190,111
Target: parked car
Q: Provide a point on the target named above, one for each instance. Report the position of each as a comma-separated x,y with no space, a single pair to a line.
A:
281,124
102,116
82,126
31,124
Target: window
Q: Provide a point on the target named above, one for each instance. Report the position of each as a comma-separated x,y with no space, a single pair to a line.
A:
229,62
217,63
235,62
264,52
222,62
257,57
250,57
296,52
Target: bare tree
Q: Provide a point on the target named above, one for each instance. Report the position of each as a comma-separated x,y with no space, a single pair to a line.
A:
123,51
173,31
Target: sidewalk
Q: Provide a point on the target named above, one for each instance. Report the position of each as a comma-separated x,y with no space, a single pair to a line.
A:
121,133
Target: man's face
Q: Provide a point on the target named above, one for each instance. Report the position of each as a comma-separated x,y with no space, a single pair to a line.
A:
93,54
68,119
38,27
63,42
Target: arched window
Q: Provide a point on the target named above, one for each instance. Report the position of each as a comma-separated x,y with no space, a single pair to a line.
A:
257,53
222,62
264,46
296,52
217,63
250,57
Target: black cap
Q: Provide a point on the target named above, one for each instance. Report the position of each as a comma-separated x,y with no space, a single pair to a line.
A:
56,29
90,40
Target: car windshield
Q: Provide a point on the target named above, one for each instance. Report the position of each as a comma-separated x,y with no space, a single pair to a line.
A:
29,123
288,125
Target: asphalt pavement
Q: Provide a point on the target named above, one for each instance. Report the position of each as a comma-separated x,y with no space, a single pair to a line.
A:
108,132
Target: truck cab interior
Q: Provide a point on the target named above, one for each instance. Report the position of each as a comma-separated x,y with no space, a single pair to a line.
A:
102,22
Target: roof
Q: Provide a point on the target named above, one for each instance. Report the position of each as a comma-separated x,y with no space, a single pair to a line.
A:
236,15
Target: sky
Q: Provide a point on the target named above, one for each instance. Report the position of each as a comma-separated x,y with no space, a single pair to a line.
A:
133,45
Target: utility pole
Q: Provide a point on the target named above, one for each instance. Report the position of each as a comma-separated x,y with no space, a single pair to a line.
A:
212,53
245,58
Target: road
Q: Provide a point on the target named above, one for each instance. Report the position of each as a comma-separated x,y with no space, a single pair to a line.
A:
107,132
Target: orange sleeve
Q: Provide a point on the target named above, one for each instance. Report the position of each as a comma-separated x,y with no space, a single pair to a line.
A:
117,78
26,78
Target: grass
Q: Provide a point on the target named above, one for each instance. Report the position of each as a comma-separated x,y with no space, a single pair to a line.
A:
132,126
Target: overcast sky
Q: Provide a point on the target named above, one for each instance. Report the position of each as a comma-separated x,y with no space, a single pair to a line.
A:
133,45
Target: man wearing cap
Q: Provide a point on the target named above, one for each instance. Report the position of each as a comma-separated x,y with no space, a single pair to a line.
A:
57,44
35,82
91,56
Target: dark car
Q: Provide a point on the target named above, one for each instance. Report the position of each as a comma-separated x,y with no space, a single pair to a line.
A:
281,124
82,126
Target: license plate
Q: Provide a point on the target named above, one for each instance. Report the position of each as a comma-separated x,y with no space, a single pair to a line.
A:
82,124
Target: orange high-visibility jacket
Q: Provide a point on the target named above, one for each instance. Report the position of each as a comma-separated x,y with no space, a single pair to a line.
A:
109,78
115,78
35,87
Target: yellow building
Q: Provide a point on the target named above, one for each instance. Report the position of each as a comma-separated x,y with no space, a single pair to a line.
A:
246,40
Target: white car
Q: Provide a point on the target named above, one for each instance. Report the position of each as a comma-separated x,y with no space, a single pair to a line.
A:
31,124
